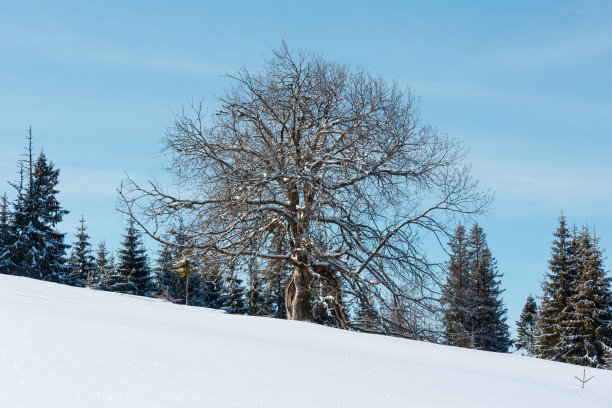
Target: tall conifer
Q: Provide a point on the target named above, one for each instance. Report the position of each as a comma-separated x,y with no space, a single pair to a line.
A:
37,249
586,326
556,290
457,293
487,312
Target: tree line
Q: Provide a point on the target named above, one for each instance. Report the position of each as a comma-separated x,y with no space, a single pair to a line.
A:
573,323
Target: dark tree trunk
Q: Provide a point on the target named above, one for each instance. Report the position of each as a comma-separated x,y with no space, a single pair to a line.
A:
298,293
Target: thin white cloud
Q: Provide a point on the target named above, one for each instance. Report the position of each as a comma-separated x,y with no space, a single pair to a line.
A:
61,43
89,182
569,107
537,186
563,49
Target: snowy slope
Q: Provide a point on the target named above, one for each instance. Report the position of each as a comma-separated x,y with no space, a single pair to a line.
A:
70,347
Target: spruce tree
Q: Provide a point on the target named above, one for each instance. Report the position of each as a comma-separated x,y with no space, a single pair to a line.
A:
133,267
556,290
232,298
586,326
367,318
256,305
275,278
456,293
37,249
104,267
474,314
167,278
82,265
487,312
526,326
274,293
5,235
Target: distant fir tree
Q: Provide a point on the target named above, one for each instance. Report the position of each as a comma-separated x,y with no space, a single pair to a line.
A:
586,325
168,280
210,287
274,294
488,314
556,290
5,234
526,326
132,267
232,298
82,266
104,267
457,293
256,305
473,312
36,249
367,319
275,279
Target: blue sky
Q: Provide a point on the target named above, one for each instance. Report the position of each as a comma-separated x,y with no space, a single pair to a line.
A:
525,85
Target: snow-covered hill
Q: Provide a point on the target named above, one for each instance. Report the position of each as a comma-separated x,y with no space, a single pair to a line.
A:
69,347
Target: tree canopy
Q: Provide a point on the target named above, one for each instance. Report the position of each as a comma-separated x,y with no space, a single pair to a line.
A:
332,161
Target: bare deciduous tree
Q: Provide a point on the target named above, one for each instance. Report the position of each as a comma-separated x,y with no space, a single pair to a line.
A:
332,161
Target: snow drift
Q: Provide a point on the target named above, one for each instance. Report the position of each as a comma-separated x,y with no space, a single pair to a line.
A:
62,346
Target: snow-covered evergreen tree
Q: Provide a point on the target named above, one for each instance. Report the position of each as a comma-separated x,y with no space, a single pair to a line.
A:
275,279
82,266
556,293
5,235
526,326
367,318
586,325
132,267
36,249
487,311
169,282
474,314
456,293
104,267
232,298
256,305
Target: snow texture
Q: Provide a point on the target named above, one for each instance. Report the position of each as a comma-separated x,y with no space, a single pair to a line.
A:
63,346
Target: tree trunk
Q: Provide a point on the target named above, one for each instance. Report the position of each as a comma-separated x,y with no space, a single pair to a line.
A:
297,294
187,290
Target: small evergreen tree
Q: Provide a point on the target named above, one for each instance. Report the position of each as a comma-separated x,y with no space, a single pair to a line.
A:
526,326
104,268
256,305
82,265
5,235
168,280
274,294
367,317
586,326
232,298
133,268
